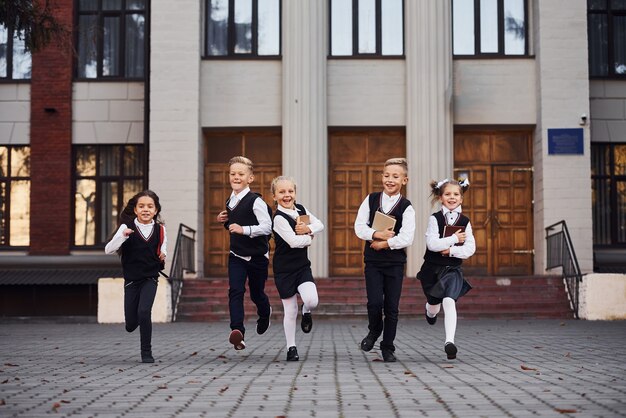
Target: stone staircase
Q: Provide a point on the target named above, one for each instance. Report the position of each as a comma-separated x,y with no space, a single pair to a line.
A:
491,297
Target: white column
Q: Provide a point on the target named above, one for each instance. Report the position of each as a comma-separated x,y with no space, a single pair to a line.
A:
305,135
562,188
176,168
428,109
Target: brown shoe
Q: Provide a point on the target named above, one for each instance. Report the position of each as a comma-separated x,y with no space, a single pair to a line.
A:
236,339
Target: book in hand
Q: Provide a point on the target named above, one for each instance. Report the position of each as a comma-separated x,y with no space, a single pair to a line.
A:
304,218
450,230
383,222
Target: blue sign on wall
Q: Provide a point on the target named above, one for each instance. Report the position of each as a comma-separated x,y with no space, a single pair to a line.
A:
565,141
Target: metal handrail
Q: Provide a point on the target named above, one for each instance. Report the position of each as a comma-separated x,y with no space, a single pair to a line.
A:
560,253
183,261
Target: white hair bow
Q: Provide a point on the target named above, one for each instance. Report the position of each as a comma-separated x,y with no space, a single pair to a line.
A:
464,183
441,183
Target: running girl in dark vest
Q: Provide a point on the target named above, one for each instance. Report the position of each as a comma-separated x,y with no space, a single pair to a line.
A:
441,275
292,268
141,242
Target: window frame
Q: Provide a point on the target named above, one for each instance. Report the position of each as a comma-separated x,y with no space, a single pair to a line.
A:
610,14
355,34
612,179
10,45
99,180
231,55
121,14
501,33
7,209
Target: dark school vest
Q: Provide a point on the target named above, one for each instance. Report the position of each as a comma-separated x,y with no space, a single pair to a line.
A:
437,258
287,259
386,256
140,258
243,214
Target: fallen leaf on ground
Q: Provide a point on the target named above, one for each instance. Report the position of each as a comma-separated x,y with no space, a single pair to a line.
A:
565,411
11,365
120,370
377,359
408,373
224,389
156,376
526,367
195,353
56,406
162,386
5,381
221,356
64,401
447,366
538,346
65,390
568,354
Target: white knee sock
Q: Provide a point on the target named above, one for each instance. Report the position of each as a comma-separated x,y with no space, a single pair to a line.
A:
308,294
449,308
433,310
290,307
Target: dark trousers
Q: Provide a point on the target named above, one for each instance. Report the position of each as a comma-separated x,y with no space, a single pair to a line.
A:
256,272
138,300
384,287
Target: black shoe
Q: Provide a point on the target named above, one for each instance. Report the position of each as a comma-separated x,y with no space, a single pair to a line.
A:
451,350
368,342
236,339
388,355
263,324
430,320
146,357
292,354
307,323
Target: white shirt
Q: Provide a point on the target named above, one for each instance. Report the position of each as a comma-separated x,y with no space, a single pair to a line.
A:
144,229
436,244
282,228
405,236
260,211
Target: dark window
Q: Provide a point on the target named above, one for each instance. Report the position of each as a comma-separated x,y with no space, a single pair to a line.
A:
15,60
14,196
489,27
606,21
111,39
242,28
106,177
366,28
608,175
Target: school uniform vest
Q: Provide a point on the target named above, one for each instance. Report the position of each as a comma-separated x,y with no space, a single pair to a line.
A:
243,214
287,259
139,255
437,258
386,256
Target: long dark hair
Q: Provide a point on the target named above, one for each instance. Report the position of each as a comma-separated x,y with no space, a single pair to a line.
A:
128,213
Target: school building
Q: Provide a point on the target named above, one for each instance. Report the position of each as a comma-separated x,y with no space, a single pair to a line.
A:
527,98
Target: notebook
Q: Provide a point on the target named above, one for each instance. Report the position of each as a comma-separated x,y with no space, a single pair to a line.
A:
382,221
449,230
304,218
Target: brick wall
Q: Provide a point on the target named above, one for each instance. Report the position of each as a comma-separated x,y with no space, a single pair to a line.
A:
51,140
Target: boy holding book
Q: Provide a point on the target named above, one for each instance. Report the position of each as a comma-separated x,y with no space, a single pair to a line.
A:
385,254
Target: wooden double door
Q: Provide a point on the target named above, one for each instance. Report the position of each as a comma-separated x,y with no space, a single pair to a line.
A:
356,163
264,148
499,201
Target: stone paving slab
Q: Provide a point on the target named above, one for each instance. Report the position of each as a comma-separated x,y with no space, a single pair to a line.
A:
524,368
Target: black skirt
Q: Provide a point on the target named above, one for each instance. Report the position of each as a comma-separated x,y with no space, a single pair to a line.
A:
287,283
440,282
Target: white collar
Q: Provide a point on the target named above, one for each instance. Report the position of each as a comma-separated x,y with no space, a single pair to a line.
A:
294,213
241,194
139,224
455,210
391,198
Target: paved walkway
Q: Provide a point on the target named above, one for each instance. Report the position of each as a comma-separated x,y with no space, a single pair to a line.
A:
520,368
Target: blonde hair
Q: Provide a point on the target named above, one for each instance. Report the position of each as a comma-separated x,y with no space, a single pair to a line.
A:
398,161
437,188
242,160
275,181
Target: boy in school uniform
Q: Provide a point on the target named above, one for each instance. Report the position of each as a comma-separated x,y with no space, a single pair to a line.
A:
385,255
248,219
